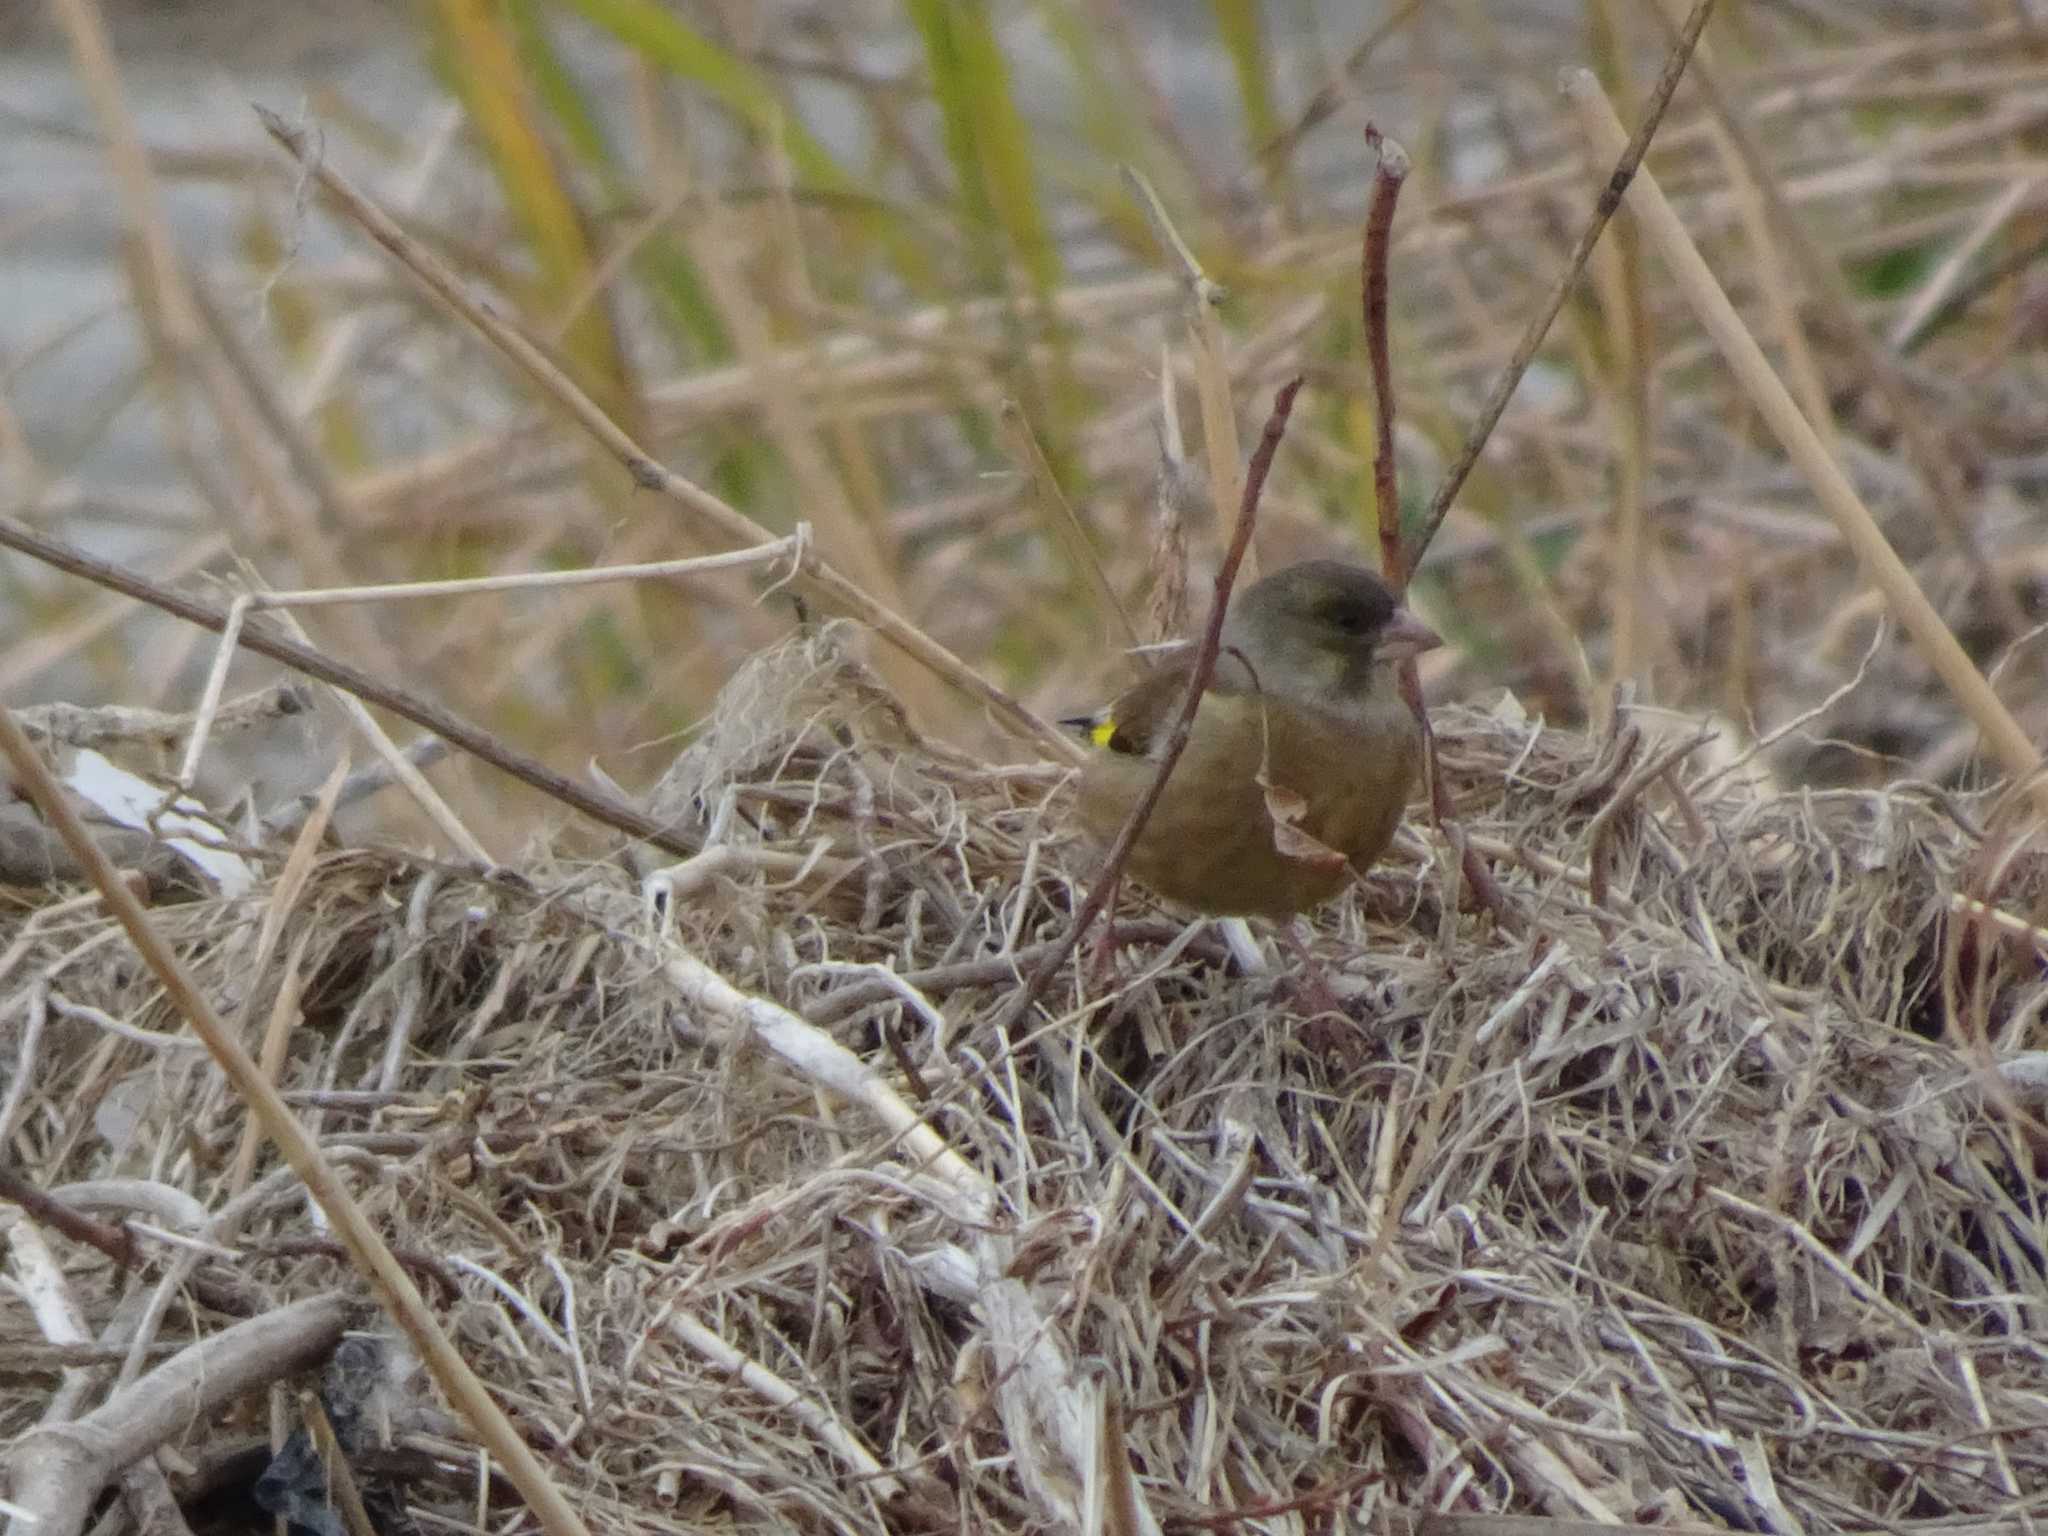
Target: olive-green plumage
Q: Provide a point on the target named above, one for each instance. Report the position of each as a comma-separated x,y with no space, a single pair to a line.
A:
1303,697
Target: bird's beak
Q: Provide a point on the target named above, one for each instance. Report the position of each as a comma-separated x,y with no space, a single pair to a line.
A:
1406,636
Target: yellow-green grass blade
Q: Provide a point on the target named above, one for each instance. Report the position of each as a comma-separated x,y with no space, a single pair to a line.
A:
672,45
480,55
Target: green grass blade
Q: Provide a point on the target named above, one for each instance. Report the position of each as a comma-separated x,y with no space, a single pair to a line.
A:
986,137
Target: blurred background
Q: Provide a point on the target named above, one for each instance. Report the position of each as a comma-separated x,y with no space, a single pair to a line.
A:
872,266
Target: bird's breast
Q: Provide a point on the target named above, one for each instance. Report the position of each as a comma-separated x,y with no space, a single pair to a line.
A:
1211,841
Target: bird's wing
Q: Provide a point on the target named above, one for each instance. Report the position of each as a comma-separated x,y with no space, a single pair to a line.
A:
1138,719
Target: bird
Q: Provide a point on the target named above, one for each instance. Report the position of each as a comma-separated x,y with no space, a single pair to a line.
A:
1300,759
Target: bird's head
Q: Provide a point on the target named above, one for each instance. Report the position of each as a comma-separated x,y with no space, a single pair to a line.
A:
1321,626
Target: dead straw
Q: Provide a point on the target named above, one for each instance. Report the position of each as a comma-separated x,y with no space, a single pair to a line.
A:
1879,560
817,578
394,1288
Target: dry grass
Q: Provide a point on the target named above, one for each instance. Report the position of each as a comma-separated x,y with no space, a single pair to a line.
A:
1702,1185
1630,520
1711,1200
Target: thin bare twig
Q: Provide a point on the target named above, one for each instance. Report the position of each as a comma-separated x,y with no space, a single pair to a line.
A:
1327,101
1881,563
595,804
1373,253
708,513
1929,449
283,821
1204,666
1066,522
1539,324
366,1246
111,1238
1387,181
1202,296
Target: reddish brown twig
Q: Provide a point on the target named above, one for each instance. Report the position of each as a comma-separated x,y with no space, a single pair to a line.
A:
1379,234
1394,559
114,1240
1326,1497
1111,870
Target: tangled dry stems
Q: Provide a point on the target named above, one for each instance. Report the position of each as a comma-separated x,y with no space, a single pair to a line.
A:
1713,1199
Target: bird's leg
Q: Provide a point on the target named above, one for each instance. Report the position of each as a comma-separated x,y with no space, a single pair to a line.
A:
1310,979
1313,991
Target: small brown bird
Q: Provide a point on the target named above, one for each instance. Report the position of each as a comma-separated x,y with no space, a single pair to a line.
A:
1300,759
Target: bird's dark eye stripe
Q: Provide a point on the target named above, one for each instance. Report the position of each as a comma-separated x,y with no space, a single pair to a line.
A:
1352,618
